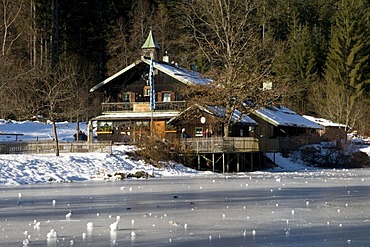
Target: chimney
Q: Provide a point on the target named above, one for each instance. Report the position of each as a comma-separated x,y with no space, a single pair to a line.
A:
166,58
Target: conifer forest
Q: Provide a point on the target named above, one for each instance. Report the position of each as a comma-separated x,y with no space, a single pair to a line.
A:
317,52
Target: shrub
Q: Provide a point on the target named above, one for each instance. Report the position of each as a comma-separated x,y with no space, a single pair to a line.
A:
334,155
360,160
153,149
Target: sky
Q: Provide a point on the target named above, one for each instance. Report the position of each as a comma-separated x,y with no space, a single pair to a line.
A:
17,169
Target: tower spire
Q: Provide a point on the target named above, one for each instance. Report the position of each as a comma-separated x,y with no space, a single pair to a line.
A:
150,48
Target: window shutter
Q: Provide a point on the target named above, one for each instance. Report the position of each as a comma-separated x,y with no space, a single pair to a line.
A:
132,97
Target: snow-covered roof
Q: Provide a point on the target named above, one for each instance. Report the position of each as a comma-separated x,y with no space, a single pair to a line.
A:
188,77
183,75
220,112
282,116
324,122
237,115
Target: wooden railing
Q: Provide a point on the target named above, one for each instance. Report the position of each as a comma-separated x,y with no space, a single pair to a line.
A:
230,144
21,147
143,106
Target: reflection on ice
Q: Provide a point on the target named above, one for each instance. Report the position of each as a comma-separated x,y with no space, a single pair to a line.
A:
113,237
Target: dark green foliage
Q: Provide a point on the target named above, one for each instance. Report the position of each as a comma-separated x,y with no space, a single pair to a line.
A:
347,64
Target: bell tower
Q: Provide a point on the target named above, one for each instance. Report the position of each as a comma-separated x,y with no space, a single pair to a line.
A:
150,49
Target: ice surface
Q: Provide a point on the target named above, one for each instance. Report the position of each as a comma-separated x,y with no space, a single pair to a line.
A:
290,205
311,208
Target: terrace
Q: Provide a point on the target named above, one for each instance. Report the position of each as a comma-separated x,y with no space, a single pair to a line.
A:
173,106
231,145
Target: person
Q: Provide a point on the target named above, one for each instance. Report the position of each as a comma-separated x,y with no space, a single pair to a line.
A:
184,134
126,138
207,133
81,136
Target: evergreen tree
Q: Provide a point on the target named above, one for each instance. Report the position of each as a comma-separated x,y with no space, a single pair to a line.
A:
348,59
299,65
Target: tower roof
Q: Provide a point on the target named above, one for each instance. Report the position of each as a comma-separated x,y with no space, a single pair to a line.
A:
150,42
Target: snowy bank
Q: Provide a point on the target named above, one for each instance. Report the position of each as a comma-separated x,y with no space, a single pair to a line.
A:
42,168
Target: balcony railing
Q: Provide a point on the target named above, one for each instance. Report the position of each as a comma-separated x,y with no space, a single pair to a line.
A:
231,144
143,106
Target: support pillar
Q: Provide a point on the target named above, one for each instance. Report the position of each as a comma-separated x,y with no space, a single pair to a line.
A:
198,162
237,162
213,162
228,163
251,161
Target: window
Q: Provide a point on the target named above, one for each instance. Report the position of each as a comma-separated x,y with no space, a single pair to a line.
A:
146,91
105,126
166,97
126,97
198,131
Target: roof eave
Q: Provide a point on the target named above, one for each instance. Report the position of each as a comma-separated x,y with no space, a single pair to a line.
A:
106,81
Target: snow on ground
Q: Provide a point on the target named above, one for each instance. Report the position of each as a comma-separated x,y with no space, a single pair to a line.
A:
41,168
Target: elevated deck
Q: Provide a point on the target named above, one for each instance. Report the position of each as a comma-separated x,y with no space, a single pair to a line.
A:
228,154
231,145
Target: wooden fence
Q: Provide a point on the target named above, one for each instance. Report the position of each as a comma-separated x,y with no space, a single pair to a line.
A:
39,147
231,144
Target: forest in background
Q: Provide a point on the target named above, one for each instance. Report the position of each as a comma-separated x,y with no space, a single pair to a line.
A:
54,51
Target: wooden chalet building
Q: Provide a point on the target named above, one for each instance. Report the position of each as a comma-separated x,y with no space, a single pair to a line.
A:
330,131
127,113
280,122
126,110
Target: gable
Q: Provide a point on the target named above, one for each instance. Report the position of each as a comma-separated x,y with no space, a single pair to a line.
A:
140,67
119,75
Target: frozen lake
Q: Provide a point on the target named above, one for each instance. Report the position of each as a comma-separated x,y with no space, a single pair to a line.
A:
324,208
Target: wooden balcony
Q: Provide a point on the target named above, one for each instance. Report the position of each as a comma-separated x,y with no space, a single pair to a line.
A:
231,145
173,106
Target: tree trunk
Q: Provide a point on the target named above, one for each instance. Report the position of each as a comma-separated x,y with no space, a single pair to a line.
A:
55,138
77,129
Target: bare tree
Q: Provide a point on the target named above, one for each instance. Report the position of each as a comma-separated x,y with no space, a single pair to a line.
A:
55,87
332,102
11,29
80,106
141,15
119,48
229,36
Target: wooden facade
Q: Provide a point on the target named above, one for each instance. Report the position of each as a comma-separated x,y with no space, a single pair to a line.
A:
126,107
126,115
198,122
